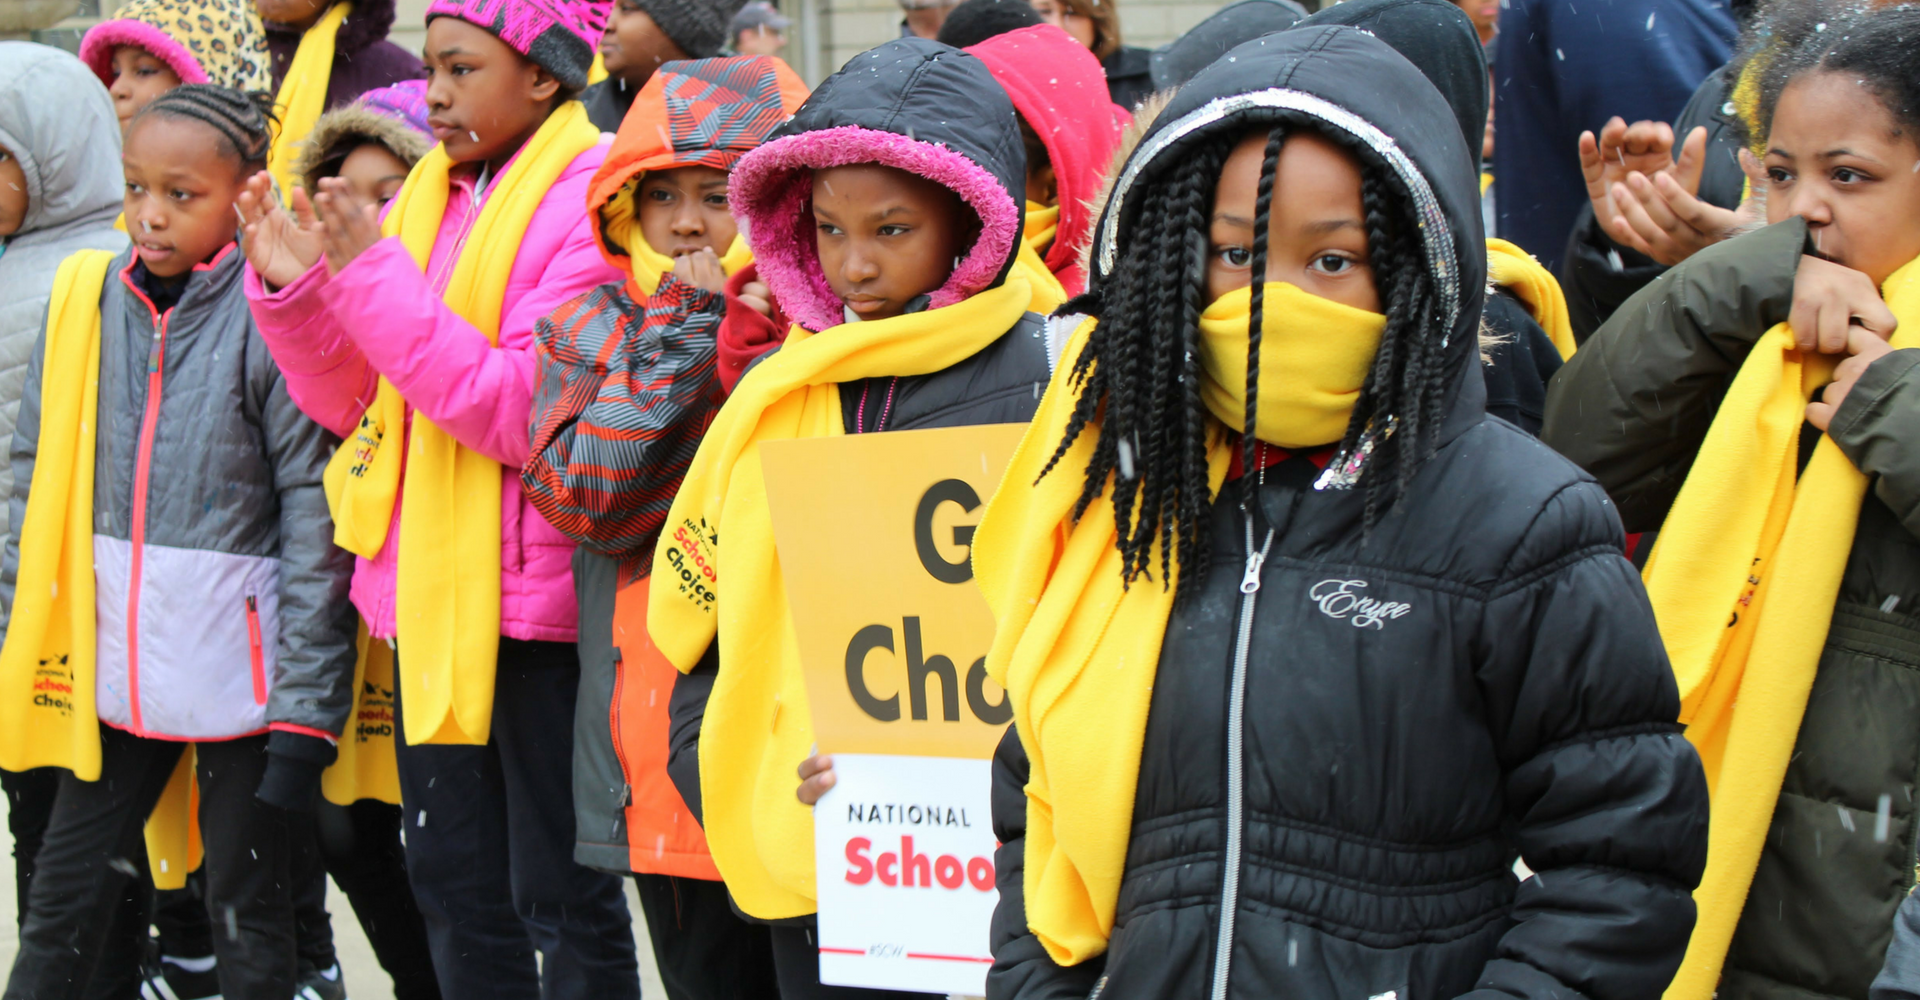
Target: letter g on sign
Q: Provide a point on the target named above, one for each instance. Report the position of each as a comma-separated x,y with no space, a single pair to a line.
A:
944,491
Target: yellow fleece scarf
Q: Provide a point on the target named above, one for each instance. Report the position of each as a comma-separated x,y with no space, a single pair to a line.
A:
622,226
47,666
758,727
1054,584
303,93
1743,581
448,601
1515,270
1314,356
1042,221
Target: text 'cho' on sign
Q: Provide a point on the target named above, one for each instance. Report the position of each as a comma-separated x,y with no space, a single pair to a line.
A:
875,539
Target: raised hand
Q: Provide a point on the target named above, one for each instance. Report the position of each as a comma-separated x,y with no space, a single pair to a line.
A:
349,228
1665,218
280,245
1619,150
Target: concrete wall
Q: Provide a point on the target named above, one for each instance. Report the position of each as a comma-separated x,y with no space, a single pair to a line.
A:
846,28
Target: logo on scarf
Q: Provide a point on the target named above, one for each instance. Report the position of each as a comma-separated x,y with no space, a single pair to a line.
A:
1340,599
692,557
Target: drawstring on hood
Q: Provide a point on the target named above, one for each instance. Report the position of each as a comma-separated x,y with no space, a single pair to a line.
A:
911,104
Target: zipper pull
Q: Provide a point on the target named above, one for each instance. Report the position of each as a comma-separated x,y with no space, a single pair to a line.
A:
1251,581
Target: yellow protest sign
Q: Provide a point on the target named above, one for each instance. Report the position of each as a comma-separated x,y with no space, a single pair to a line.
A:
874,533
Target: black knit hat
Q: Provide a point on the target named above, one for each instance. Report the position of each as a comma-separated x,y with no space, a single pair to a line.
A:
699,27
976,21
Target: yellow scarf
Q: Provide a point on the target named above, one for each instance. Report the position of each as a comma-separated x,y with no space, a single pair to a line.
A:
758,727
622,226
1055,587
1314,356
448,604
1030,261
1515,270
303,93
47,666
1743,581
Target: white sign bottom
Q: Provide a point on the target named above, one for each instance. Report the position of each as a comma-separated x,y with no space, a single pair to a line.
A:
904,854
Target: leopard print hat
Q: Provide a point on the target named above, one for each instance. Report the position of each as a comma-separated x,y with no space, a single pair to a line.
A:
203,41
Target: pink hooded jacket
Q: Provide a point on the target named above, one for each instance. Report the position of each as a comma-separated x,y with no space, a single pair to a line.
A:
334,336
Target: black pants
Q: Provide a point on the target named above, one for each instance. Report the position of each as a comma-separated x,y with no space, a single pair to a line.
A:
30,797
704,950
796,954
359,845
489,833
82,869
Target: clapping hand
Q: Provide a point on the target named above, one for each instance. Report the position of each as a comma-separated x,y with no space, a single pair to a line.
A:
280,245
348,228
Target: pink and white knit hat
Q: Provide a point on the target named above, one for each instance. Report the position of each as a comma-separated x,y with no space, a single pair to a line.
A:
558,35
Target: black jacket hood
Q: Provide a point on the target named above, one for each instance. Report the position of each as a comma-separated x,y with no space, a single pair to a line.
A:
1177,61
1349,82
911,104
1439,40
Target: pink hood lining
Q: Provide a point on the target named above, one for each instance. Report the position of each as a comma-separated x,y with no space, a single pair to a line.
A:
96,49
773,187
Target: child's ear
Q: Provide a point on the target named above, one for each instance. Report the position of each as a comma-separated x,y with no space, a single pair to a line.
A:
545,85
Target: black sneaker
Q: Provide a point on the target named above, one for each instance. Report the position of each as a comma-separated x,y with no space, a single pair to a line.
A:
167,979
321,984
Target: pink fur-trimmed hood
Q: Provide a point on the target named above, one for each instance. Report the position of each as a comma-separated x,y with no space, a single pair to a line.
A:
911,104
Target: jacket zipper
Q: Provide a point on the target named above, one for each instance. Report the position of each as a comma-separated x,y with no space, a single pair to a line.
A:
619,751
1236,777
142,463
254,650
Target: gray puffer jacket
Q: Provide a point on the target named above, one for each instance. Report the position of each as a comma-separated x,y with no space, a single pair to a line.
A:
57,120
222,599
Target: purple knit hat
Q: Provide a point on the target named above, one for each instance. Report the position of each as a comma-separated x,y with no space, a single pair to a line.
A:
404,102
558,35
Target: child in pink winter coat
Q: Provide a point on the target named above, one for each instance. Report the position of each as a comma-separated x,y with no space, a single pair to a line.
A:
385,341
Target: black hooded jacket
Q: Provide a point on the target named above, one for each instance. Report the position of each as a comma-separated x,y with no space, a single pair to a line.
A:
909,96
1509,698
1439,40
1231,26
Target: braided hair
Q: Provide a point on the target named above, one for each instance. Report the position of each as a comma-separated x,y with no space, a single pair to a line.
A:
1140,374
244,121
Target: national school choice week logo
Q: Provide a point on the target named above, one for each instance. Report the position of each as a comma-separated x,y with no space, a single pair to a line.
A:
920,666
692,556
1342,599
908,868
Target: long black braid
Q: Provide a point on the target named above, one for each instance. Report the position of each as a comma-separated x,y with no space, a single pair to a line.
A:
245,121
1139,377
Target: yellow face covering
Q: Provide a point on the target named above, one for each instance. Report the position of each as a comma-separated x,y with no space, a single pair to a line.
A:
448,604
622,226
757,727
1743,582
303,93
1314,358
1054,584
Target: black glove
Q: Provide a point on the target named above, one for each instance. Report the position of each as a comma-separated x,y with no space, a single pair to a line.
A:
294,763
